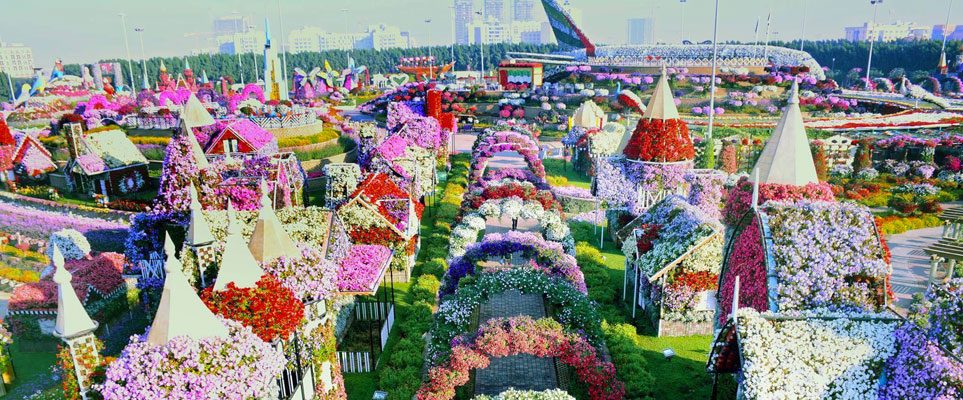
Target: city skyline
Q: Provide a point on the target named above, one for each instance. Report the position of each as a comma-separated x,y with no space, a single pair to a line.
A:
182,26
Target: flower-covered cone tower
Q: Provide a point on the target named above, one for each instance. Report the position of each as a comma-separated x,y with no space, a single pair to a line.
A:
654,160
74,327
193,116
661,136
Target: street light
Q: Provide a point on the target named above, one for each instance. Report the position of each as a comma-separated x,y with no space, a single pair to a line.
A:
802,37
143,56
237,50
431,74
481,40
347,35
130,69
869,60
453,38
712,85
682,7
284,54
946,25
254,57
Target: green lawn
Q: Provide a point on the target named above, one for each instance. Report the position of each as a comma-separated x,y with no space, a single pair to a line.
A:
562,174
30,363
362,386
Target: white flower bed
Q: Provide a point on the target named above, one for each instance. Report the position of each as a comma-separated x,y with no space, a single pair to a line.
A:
73,245
812,359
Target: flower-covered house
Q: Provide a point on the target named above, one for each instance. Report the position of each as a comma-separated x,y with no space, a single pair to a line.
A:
380,212
242,136
672,261
105,162
30,160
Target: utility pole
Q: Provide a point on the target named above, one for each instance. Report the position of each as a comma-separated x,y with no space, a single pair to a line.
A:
130,68
143,56
712,85
431,62
869,60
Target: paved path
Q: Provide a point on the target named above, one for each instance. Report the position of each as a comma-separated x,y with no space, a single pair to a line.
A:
911,265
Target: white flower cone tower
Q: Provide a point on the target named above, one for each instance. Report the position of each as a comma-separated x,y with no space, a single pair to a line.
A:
199,231
72,318
662,104
237,263
181,312
787,159
270,240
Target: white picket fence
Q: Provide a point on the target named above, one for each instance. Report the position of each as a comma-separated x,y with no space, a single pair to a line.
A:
355,361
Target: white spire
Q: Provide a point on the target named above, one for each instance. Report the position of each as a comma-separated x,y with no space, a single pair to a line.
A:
237,263
787,159
270,240
198,232
194,115
181,312
662,104
72,319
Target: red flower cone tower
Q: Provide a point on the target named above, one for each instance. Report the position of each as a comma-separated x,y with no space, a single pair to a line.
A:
661,136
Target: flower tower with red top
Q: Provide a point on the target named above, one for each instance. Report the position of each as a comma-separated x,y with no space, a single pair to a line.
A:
654,160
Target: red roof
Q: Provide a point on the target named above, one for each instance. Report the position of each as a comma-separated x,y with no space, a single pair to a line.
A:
6,139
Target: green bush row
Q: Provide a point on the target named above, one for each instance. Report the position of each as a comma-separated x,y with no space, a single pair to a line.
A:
399,372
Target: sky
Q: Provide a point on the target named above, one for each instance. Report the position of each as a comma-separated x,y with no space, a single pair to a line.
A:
86,31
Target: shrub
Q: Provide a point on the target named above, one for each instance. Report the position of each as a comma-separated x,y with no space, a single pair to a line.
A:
627,355
436,267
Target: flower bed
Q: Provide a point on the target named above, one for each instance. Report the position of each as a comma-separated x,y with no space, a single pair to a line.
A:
240,366
545,256
501,190
812,358
512,394
521,335
40,224
309,277
551,225
269,309
660,140
509,173
622,182
576,312
740,196
361,267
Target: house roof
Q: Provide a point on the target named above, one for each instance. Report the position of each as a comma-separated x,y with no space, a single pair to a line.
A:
787,159
181,312
248,131
112,147
6,138
588,114
24,142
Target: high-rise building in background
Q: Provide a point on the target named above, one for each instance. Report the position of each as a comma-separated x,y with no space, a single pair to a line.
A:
231,24
523,10
641,31
464,17
377,37
954,32
495,9
16,60
306,39
885,32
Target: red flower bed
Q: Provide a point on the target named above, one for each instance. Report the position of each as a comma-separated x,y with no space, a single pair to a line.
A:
746,262
698,281
644,244
660,141
521,335
101,272
526,193
374,235
269,309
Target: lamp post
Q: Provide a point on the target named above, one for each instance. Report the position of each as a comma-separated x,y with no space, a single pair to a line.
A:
712,84
481,41
237,50
346,34
431,74
802,36
946,25
869,60
453,38
130,68
682,33
143,56
284,53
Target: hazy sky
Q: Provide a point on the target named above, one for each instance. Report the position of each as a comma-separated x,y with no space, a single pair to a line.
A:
85,31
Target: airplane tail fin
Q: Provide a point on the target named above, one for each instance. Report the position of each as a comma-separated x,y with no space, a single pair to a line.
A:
567,34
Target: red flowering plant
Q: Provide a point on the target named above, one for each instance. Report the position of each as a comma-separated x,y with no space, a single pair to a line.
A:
650,232
521,335
747,262
659,140
271,310
524,191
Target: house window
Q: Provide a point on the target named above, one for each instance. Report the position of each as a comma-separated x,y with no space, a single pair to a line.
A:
230,146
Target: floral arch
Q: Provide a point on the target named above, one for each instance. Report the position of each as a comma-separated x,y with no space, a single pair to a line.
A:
545,256
521,335
454,313
510,188
550,224
481,156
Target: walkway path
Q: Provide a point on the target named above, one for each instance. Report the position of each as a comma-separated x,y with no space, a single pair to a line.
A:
911,265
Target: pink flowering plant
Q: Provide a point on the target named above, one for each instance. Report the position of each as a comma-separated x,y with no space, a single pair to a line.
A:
309,276
361,267
240,366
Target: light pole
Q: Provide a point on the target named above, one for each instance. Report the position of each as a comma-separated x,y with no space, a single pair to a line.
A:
284,53
254,57
712,84
453,38
946,25
481,41
869,60
802,37
682,34
431,73
237,49
130,69
143,56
